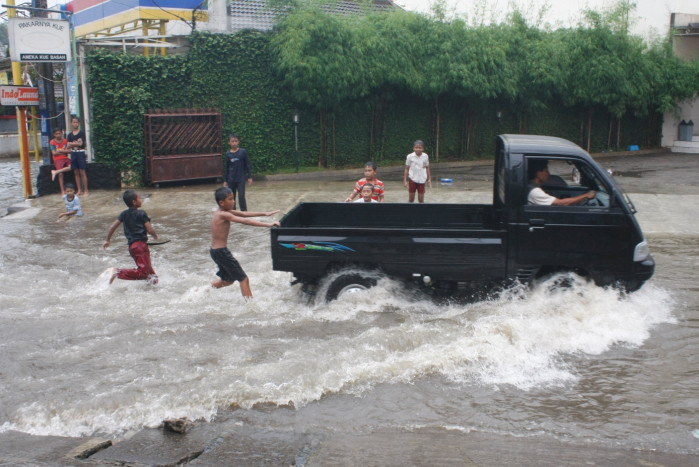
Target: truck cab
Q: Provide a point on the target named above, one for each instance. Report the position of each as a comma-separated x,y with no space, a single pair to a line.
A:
598,238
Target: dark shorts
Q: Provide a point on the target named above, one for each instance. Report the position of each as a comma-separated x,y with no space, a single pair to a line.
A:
413,187
61,162
78,160
229,269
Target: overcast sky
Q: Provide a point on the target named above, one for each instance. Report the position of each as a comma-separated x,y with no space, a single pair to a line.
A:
652,17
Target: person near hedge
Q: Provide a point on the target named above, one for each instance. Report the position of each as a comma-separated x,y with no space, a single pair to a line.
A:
59,153
78,156
237,171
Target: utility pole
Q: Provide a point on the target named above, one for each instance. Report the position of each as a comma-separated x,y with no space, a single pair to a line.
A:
21,122
47,97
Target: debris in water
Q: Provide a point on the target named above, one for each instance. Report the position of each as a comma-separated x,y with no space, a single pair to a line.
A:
178,425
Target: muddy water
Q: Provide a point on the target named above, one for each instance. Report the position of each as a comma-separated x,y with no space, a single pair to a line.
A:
81,357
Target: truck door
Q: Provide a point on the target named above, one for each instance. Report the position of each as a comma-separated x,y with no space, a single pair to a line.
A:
592,238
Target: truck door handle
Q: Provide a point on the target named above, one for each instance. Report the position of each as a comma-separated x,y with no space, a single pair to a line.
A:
536,224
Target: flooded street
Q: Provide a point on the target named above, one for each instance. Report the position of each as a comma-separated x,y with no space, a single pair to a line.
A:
585,364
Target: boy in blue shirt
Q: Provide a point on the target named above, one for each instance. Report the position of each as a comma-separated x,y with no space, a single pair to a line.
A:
72,202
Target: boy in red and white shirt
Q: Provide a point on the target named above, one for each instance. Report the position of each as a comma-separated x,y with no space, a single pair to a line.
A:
369,177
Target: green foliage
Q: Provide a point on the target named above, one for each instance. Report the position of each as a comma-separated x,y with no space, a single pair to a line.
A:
366,86
234,74
123,87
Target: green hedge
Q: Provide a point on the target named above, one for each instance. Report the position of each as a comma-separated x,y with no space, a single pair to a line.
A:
235,74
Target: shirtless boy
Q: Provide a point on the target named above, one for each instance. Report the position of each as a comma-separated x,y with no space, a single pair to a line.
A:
229,268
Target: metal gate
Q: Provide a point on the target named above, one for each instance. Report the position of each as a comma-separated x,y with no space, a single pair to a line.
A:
182,144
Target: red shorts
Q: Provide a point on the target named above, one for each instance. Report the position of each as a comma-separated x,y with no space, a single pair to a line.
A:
413,187
61,162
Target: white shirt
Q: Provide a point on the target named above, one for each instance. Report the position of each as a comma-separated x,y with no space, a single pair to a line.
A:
361,200
418,167
539,197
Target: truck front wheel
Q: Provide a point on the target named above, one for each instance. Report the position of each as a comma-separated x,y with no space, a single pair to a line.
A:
347,284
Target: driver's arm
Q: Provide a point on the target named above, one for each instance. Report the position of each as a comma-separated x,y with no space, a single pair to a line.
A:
574,200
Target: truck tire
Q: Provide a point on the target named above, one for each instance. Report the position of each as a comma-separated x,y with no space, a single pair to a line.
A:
347,284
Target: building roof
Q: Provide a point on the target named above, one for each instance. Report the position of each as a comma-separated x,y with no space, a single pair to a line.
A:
256,14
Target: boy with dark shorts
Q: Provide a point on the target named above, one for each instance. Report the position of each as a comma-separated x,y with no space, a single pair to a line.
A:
136,229
229,268
78,156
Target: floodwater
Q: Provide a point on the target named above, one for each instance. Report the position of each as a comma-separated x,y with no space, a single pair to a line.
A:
85,358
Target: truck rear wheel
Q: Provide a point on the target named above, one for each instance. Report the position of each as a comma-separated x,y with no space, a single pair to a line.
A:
347,284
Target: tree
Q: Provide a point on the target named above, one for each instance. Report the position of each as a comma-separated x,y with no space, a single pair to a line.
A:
318,61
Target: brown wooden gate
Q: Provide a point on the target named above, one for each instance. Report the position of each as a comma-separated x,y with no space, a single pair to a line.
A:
182,144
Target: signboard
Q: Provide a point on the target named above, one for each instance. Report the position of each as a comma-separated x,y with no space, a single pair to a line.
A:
19,95
39,40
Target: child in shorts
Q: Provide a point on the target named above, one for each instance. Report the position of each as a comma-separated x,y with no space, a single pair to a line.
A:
78,156
136,229
417,172
72,203
229,268
60,154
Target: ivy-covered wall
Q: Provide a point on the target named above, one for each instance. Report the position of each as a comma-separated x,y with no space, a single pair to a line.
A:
235,74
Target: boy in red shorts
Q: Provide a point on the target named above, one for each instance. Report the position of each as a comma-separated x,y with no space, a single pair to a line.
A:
136,229
61,157
417,172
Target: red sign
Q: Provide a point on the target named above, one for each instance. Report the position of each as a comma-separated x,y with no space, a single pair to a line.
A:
19,95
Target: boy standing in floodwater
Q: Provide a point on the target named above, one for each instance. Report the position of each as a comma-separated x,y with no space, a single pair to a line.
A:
229,268
417,172
136,229
237,171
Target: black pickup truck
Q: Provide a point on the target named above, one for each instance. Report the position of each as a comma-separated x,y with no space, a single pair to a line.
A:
447,247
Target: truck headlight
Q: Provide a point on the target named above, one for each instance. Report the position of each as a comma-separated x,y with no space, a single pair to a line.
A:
641,251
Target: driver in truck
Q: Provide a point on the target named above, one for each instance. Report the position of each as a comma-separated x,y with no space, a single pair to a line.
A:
538,174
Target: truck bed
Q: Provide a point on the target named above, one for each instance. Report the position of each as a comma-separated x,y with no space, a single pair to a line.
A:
390,216
455,242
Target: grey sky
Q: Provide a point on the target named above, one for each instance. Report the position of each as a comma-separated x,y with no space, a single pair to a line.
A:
652,17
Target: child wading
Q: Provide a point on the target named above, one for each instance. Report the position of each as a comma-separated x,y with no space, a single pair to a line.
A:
417,172
136,229
72,203
229,268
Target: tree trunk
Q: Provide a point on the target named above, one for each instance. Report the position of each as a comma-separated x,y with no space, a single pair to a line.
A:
618,132
322,155
436,148
589,130
371,131
334,140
